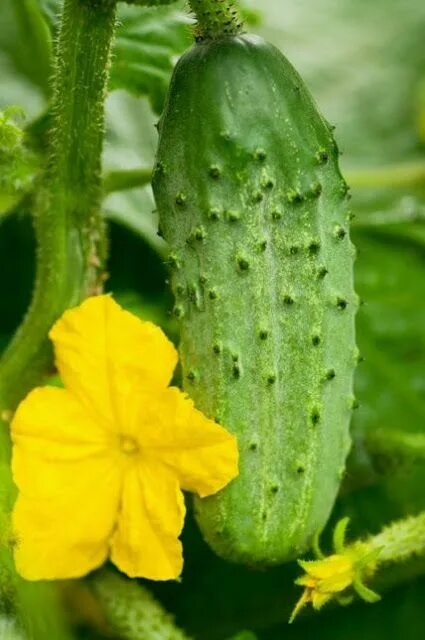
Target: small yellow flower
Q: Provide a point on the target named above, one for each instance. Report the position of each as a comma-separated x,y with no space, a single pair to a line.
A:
323,579
327,577
100,465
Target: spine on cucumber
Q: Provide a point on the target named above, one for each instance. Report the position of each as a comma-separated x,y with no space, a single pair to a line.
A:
254,208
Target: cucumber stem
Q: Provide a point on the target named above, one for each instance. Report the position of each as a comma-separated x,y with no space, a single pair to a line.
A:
215,18
68,223
400,540
71,248
329,578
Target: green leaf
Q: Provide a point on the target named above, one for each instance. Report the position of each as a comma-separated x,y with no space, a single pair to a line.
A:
9,629
148,42
365,593
131,145
17,163
50,9
390,382
339,535
149,3
26,39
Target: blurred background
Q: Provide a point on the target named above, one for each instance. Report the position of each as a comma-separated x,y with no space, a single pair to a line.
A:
364,61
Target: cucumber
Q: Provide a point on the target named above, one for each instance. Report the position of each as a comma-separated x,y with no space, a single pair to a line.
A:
254,208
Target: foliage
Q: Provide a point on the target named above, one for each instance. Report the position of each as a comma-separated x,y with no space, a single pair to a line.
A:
364,62
146,48
17,163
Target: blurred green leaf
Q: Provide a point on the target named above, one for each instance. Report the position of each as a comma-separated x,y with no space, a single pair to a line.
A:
149,3
50,9
148,42
131,141
9,630
17,163
28,40
364,61
390,381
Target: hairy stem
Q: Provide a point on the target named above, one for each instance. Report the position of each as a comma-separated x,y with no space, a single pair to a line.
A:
70,240
215,18
362,561
400,541
68,224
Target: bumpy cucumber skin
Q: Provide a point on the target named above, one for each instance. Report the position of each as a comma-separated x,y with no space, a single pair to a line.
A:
253,205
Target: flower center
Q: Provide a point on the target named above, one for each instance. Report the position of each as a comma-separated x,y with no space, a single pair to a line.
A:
128,445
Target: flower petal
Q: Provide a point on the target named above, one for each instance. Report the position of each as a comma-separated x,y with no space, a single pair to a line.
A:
64,533
336,583
306,581
328,567
304,599
318,599
62,468
202,454
101,350
52,425
145,543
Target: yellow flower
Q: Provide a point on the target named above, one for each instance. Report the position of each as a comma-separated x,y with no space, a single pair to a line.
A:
323,579
327,577
100,465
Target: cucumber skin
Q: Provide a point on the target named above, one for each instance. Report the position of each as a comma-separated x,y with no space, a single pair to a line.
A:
254,208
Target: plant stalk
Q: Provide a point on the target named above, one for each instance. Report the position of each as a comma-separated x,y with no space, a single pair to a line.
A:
400,540
71,249
215,18
68,224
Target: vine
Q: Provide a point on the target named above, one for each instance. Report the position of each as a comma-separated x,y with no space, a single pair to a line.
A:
68,224
215,18
71,250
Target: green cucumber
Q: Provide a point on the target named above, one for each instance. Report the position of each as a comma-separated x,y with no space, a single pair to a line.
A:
132,610
254,208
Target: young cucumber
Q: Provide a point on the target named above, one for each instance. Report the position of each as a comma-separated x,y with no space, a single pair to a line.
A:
253,206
